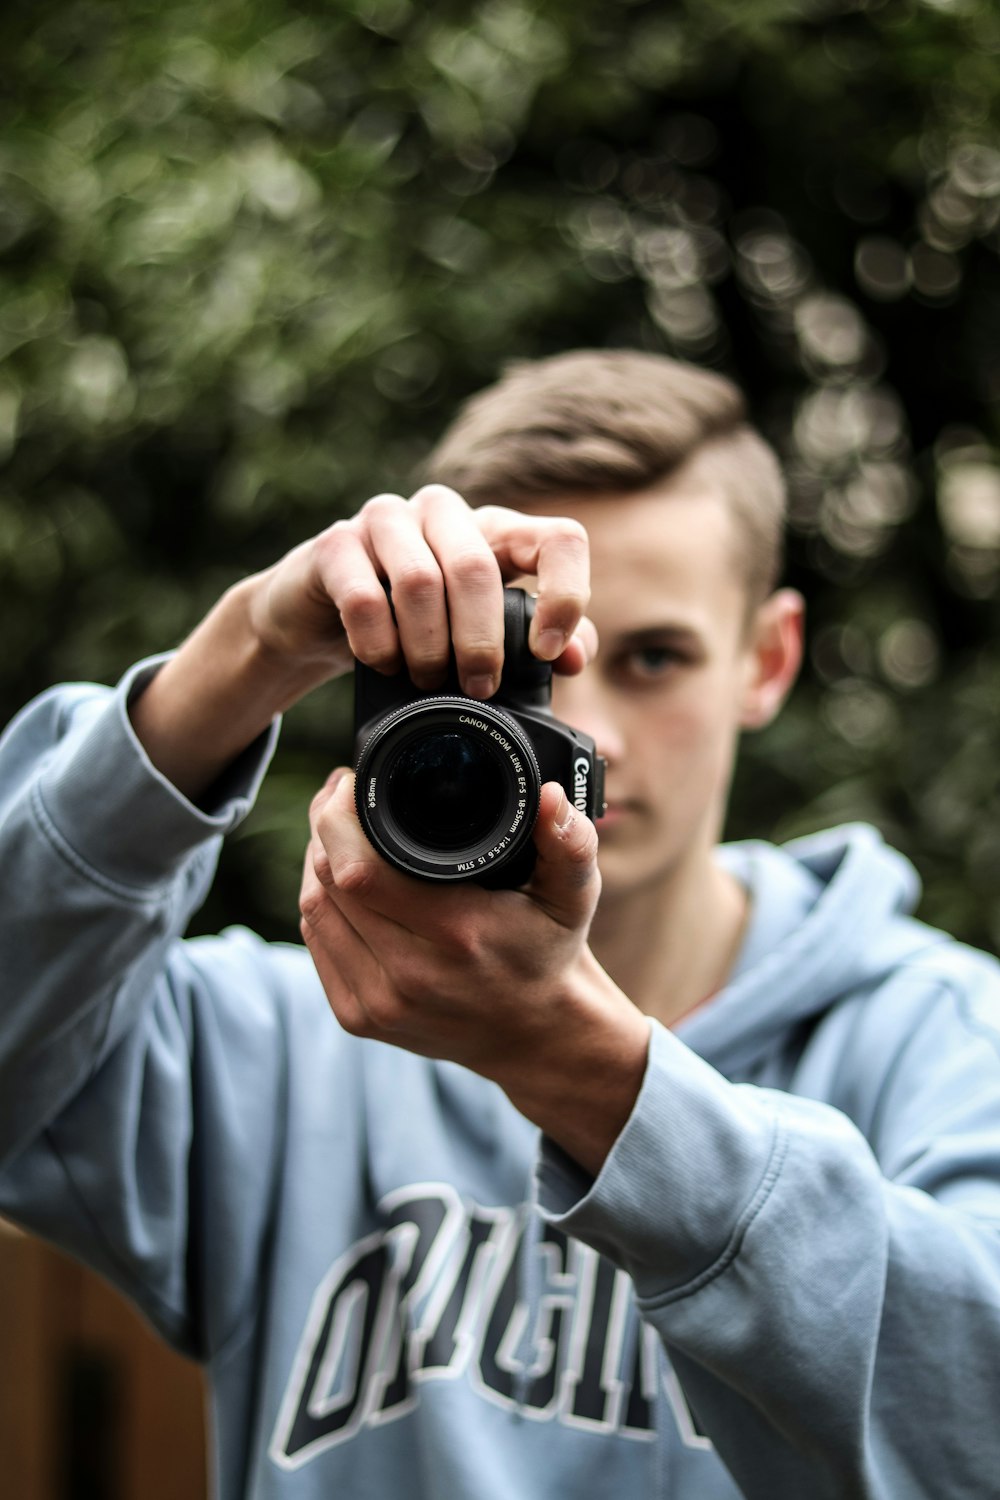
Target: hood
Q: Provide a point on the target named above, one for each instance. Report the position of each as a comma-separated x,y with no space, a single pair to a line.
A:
830,917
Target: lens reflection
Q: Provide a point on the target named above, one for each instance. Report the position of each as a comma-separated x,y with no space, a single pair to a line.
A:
446,791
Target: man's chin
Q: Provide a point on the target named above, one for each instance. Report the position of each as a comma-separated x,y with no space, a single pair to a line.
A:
631,865
623,871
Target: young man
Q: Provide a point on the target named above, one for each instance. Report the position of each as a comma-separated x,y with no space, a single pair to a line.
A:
681,1178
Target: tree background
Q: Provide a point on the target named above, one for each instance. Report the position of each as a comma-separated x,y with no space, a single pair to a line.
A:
252,255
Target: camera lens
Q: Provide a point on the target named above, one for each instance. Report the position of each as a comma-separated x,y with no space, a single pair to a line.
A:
445,791
448,788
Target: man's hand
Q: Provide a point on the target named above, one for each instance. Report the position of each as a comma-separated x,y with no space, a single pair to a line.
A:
280,633
500,981
446,565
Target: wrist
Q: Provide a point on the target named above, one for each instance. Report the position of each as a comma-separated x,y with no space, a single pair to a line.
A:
214,697
581,1086
279,669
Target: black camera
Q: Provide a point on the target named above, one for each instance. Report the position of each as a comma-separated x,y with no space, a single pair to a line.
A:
447,786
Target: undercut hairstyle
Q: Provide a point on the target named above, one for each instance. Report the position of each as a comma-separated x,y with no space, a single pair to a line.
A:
604,422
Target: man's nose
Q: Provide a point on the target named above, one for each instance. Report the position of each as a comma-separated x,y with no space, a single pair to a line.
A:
580,702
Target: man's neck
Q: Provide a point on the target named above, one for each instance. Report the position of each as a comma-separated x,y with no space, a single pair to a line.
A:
672,945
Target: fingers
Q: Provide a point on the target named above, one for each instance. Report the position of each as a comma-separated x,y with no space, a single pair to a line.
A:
555,551
380,903
473,585
446,564
563,573
408,963
349,938
378,900
389,541
348,575
581,649
379,940
447,592
395,535
565,882
330,943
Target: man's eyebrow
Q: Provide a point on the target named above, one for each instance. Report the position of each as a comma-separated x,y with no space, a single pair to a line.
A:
668,630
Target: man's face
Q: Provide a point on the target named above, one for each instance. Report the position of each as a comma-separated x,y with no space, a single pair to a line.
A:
668,691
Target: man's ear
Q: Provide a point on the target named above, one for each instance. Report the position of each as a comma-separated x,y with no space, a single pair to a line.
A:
775,655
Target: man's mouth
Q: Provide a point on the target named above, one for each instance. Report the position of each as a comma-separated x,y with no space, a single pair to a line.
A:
615,812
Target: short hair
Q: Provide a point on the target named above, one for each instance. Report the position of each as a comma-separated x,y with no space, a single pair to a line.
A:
597,421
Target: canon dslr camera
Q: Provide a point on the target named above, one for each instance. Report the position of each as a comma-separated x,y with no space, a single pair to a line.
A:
447,786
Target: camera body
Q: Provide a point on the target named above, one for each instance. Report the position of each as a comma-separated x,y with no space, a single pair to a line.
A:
447,787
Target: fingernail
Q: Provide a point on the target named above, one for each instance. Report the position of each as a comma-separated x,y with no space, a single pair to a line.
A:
564,814
335,778
551,643
481,686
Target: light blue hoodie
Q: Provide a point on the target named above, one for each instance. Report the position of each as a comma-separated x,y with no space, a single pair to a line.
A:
784,1283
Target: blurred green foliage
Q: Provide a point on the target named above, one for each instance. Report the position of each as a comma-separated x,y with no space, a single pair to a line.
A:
251,256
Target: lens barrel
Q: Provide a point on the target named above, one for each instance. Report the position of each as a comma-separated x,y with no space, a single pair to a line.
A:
448,788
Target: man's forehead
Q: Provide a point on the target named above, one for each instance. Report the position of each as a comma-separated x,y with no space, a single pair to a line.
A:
662,559
653,529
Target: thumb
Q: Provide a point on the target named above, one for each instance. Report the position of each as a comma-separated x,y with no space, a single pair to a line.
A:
565,882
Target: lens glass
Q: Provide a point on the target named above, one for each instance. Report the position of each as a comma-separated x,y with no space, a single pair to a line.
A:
446,791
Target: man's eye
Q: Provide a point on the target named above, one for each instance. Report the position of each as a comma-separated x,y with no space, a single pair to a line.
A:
651,661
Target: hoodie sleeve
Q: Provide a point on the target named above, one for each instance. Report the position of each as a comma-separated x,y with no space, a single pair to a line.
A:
120,1046
830,1303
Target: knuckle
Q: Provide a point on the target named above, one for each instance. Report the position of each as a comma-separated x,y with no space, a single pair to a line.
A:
353,876
382,658
474,568
475,649
564,534
311,905
353,1020
421,989
565,608
497,522
362,605
464,943
379,507
414,970
331,540
417,582
478,660
435,494
384,1011
565,529
339,540
581,856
